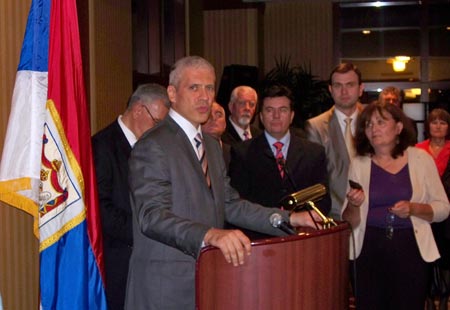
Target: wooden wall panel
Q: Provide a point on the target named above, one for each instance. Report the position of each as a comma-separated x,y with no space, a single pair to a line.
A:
110,60
19,258
230,38
301,30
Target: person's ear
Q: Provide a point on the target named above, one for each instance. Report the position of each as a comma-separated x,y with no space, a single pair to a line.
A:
172,93
399,127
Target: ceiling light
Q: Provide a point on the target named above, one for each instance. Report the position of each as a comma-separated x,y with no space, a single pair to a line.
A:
399,63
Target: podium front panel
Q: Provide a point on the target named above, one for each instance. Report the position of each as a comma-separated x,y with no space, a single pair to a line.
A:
308,271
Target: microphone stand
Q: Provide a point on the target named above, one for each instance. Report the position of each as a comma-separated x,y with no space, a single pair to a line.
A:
328,222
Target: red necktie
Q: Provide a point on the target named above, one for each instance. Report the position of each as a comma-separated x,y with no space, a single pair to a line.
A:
279,157
246,135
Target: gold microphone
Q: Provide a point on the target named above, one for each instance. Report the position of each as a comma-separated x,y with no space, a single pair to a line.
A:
306,199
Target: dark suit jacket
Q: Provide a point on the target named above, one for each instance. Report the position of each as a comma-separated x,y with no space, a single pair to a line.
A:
111,152
254,172
231,137
173,208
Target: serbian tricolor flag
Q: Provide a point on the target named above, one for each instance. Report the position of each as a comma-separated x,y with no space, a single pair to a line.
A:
47,167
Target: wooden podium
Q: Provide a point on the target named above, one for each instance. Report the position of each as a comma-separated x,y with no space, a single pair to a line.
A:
308,271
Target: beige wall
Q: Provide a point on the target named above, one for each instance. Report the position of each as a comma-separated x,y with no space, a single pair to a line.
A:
111,66
301,30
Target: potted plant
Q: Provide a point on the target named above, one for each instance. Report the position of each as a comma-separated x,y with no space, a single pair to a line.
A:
311,95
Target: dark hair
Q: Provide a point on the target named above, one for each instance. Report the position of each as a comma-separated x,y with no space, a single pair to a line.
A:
277,90
344,68
405,138
437,114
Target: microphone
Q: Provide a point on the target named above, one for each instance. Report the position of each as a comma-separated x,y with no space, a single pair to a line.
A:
297,200
305,199
276,220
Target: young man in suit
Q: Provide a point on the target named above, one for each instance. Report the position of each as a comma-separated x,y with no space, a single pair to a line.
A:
334,129
242,106
264,175
180,197
148,105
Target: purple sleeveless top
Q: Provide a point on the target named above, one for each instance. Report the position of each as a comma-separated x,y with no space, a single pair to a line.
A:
385,190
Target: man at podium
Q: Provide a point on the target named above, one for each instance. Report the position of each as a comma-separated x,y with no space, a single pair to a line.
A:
181,197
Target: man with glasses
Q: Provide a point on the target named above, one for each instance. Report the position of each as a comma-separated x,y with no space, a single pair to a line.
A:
148,105
242,106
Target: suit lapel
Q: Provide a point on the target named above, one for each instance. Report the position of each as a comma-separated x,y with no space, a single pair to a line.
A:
337,138
266,154
186,148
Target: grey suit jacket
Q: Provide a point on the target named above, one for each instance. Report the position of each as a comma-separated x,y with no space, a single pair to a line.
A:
324,129
173,208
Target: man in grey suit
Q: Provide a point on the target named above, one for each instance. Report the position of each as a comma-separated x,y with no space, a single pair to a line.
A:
330,129
179,204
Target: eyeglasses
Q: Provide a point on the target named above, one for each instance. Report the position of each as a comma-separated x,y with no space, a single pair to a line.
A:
390,218
155,120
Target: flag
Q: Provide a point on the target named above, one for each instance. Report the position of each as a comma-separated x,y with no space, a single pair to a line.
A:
47,166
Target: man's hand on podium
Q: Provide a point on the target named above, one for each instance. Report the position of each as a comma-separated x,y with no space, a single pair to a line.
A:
234,244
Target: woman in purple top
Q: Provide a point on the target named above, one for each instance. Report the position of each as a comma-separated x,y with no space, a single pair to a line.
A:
400,195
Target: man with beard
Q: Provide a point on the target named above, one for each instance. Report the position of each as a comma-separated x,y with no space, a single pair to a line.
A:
242,106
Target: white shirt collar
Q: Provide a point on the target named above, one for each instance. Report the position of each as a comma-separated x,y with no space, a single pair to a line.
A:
131,138
239,130
189,129
285,140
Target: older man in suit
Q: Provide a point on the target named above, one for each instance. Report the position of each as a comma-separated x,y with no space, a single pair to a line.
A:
335,129
181,197
242,106
264,174
148,105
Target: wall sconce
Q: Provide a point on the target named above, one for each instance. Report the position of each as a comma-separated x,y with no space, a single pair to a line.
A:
399,63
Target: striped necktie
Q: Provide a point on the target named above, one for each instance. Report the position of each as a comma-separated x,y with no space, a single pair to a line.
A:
279,157
246,135
202,157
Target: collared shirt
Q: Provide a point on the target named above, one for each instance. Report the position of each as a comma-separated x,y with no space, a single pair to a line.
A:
341,118
285,140
131,138
240,131
189,129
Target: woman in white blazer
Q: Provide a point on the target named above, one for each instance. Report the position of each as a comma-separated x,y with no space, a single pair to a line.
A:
401,194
